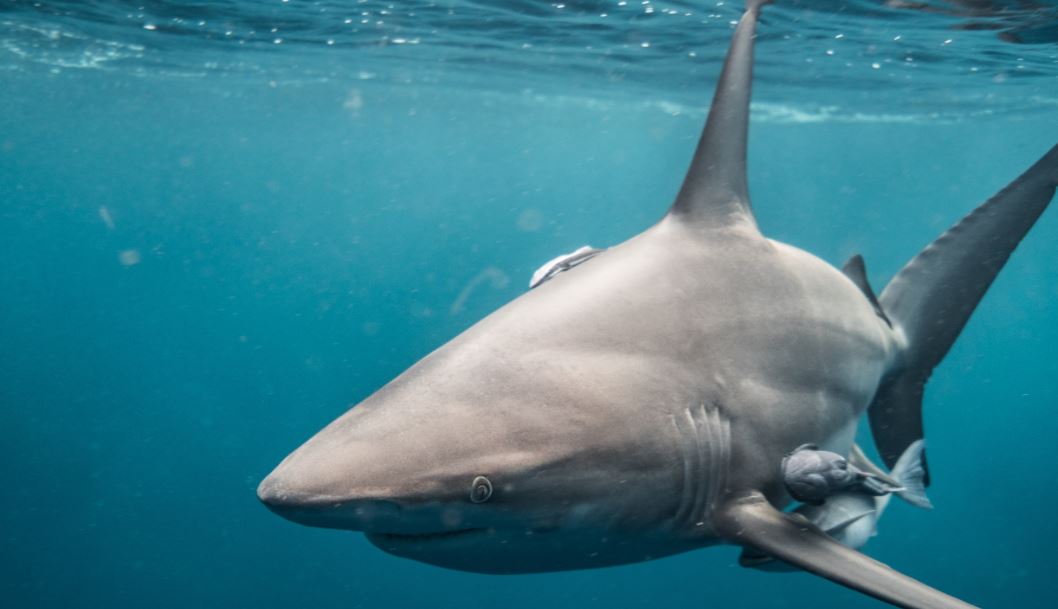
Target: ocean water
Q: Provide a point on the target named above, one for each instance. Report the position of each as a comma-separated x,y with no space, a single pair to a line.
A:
224,222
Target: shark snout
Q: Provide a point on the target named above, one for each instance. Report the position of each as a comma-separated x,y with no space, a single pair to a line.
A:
365,512
319,485
306,505
362,486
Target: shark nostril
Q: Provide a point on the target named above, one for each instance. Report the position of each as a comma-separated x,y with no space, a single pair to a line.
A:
480,490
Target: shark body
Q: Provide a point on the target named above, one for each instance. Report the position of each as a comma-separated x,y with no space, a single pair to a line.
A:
639,403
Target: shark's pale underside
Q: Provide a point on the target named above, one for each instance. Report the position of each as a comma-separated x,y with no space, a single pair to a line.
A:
639,404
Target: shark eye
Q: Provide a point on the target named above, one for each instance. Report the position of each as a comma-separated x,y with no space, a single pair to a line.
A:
480,490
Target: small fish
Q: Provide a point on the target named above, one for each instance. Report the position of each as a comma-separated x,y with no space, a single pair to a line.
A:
563,263
812,475
851,516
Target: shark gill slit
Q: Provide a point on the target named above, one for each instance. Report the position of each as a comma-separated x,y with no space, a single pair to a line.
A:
701,440
720,456
706,446
689,474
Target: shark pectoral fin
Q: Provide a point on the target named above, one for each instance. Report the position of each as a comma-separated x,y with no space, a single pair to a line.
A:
752,558
752,521
824,517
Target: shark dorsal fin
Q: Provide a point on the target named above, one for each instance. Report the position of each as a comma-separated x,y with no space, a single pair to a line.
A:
715,191
856,270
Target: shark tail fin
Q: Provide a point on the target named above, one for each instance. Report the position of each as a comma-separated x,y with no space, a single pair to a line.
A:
911,475
931,298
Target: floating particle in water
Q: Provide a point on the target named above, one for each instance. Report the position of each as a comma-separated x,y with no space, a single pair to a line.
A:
421,311
129,257
530,220
354,102
104,215
371,328
496,278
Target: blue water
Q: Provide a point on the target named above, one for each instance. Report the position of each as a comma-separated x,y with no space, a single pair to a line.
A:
207,253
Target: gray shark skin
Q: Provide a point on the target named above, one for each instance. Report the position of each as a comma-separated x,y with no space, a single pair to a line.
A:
639,404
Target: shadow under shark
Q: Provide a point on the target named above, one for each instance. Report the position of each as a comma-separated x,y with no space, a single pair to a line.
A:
639,404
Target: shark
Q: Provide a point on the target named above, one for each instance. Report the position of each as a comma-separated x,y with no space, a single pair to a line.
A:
639,403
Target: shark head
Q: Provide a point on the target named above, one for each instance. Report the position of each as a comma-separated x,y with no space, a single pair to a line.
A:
493,476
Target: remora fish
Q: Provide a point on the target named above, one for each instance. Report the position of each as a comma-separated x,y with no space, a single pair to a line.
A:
851,516
638,405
